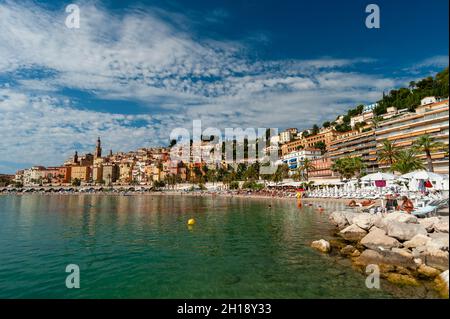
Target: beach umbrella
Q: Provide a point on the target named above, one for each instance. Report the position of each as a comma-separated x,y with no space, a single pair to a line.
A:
379,177
424,175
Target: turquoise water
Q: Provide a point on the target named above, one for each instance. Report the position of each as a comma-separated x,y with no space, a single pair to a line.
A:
140,247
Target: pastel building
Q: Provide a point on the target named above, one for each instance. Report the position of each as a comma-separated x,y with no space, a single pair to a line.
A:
295,159
429,119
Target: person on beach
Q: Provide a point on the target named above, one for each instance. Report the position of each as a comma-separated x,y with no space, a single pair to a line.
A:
352,203
407,205
367,202
391,203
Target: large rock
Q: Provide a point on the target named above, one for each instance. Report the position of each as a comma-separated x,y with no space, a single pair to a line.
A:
443,283
370,256
402,280
321,245
353,233
394,257
427,271
350,251
436,258
442,225
338,219
417,241
438,241
364,220
404,231
428,223
401,217
377,238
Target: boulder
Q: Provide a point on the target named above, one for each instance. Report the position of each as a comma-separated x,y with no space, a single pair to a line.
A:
352,233
404,231
338,219
364,220
442,225
428,223
438,241
377,238
394,257
442,281
427,271
321,245
417,241
399,257
368,257
350,251
401,217
436,258
402,280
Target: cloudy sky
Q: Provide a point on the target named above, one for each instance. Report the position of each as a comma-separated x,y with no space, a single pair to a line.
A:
131,73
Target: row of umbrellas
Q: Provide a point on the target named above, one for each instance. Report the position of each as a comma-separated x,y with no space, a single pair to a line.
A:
417,175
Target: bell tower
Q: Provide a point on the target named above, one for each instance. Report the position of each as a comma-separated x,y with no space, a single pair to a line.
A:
98,148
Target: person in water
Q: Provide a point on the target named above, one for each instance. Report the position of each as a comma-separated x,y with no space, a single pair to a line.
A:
406,205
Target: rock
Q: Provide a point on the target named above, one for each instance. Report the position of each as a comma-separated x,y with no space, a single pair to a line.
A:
338,219
442,282
438,241
442,225
364,220
352,233
436,258
368,257
350,251
321,245
396,257
401,217
402,280
377,238
404,231
427,271
399,257
417,241
428,223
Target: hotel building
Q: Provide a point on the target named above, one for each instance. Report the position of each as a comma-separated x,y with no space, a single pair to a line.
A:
431,118
356,144
295,159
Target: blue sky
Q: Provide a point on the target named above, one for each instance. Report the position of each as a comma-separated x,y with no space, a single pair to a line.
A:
134,71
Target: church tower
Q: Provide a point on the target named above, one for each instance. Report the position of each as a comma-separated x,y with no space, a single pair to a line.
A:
75,158
98,149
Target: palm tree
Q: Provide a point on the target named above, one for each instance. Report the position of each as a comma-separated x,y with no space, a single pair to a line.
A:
306,167
426,144
407,161
388,153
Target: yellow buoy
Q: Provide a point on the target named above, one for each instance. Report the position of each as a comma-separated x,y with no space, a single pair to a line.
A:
191,221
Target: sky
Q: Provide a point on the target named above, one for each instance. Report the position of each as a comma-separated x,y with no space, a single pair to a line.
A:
134,71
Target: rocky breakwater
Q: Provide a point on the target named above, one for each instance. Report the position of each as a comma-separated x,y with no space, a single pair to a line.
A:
406,249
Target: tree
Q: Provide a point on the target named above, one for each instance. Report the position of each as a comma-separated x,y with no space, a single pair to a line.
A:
321,146
281,173
326,124
407,161
427,145
306,167
315,129
347,167
388,153
76,182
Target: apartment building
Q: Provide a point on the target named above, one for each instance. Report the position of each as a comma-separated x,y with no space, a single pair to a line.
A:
432,118
356,143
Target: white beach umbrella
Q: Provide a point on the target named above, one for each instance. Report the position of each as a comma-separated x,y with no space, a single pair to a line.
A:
424,175
379,177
